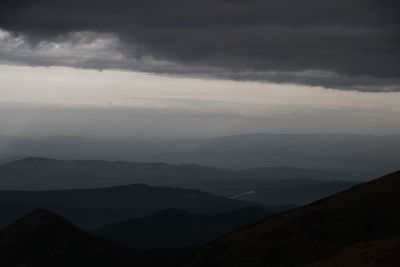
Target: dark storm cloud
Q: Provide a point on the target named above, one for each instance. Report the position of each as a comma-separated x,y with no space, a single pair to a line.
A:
355,44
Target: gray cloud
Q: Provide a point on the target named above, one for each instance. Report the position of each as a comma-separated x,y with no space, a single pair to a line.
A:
350,45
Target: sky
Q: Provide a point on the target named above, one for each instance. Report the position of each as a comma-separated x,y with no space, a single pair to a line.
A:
198,68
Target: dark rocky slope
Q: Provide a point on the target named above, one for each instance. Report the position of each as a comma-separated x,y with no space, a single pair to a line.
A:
366,213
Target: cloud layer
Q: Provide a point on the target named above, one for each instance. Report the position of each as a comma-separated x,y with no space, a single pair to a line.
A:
351,45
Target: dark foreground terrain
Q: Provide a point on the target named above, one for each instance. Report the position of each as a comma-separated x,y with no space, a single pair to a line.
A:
328,230
357,227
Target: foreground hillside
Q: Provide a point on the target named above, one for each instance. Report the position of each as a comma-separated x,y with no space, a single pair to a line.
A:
330,229
380,253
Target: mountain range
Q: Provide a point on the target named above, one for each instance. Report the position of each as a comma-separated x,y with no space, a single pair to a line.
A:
356,227
364,155
270,186
90,208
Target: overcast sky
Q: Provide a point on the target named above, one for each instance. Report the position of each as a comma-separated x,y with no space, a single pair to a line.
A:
198,68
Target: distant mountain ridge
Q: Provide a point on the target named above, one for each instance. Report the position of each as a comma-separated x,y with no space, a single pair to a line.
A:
271,186
367,155
98,173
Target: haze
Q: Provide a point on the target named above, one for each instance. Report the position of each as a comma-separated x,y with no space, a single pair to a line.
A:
125,104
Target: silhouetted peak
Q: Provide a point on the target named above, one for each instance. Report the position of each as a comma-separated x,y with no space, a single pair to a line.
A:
41,224
40,220
42,238
42,216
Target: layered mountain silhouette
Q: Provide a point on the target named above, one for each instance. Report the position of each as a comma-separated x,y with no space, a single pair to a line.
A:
328,231
91,208
271,186
178,228
357,227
